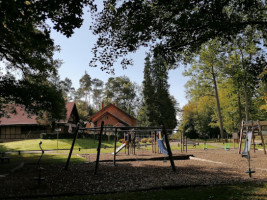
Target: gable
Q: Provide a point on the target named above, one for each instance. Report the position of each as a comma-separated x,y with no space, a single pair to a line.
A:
116,112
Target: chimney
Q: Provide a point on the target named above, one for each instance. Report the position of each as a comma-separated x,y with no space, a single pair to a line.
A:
102,104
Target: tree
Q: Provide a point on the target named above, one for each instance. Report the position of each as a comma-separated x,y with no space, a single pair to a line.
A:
247,60
206,71
85,87
35,93
84,110
67,89
173,29
97,91
27,50
121,91
159,104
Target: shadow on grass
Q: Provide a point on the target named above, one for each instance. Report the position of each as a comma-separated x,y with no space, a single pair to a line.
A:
32,159
3,148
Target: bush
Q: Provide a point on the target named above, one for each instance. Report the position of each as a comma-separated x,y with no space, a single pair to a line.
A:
122,141
144,140
43,135
150,140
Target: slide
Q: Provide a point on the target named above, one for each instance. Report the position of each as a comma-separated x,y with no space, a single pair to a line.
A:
162,147
120,148
247,144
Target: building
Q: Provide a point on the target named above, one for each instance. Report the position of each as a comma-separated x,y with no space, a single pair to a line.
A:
112,116
21,125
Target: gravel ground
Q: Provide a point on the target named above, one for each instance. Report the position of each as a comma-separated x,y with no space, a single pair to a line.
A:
205,168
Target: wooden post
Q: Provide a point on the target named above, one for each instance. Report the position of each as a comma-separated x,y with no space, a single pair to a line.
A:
241,137
262,140
134,144
72,146
115,147
253,139
99,147
168,148
185,144
155,140
181,137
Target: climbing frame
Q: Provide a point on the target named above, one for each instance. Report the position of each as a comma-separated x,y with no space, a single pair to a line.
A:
256,128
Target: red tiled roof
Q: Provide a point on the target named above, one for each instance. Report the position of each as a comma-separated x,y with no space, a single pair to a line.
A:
105,108
22,118
69,107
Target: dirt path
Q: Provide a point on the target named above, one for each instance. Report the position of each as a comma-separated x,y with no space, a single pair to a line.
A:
206,168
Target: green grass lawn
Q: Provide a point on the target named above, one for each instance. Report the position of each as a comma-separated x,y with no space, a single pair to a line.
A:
226,192
51,144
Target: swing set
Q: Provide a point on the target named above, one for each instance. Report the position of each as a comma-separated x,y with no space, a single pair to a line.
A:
130,143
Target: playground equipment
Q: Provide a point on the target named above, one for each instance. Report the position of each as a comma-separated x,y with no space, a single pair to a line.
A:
183,140
119,149
226,146
40,169
252,129
246,152
162,146
116,130
235,139
205,146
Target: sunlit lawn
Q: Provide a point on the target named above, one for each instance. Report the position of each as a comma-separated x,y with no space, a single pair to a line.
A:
89,146
52,144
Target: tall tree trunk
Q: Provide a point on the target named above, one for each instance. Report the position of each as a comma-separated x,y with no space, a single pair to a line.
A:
218,102
239,109
246,101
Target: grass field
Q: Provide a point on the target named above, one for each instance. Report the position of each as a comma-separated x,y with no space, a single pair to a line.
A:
51,144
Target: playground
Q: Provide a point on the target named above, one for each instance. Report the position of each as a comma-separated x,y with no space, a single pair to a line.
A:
134,173
129,165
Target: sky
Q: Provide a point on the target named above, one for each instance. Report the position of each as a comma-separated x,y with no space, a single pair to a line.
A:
76,54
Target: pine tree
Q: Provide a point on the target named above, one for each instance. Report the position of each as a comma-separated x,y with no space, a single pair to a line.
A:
160,107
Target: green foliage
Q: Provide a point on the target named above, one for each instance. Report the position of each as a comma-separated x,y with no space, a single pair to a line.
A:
97,92
34,92
144,140
173,29
26,51
122,92
241,87
157,101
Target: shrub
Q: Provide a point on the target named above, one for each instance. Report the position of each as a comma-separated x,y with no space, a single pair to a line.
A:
122,141
150,140
144,140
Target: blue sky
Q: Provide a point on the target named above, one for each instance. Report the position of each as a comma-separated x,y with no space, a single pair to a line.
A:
76,54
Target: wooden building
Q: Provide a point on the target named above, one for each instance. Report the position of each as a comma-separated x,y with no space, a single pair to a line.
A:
112,116
21,125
